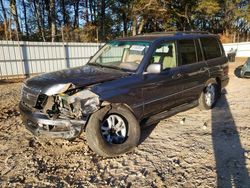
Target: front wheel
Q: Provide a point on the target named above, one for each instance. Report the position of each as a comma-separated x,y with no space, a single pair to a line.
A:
209,96
115,133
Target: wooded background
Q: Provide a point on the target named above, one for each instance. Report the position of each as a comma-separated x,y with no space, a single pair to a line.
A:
99,21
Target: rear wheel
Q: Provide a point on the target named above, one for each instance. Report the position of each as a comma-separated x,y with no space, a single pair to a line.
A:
115,133
209,96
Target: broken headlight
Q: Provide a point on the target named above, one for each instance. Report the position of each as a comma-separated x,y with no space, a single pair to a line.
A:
91,105
84,101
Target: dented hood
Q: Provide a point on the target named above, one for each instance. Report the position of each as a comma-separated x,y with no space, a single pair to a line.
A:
78,77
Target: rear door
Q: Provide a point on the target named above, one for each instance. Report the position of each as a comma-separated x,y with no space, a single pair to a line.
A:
193,69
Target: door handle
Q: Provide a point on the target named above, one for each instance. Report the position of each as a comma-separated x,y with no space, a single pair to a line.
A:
178,75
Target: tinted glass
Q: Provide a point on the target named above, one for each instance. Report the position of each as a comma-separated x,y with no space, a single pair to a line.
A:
187,51
165,55
198,50
210,47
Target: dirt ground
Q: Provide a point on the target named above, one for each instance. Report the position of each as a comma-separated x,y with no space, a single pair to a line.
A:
191,149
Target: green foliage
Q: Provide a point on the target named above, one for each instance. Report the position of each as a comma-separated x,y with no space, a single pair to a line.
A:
208,7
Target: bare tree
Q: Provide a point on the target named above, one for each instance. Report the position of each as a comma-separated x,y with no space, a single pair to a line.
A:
76,9
53,20
87,11
25,18
14,14
5,20
102,19
39,20
64,13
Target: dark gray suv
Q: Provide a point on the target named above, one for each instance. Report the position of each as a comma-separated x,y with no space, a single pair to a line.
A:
128,83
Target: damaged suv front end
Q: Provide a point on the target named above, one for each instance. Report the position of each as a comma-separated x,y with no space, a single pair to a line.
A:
59,111
103,98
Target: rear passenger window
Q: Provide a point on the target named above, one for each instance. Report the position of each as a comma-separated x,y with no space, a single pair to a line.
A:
187,51
211,48
198,50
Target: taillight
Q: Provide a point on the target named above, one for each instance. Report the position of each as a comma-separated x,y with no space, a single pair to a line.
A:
226,70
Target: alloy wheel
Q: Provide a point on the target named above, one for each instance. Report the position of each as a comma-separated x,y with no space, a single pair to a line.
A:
114,129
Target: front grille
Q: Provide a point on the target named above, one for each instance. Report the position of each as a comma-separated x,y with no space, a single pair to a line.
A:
30,95
41,101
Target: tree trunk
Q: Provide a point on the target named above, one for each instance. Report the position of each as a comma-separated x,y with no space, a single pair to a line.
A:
134,26
53,20
63,12
94,6
48,10
14,13
25,18
141,25
87,11
10,33
188,25
91,10
227,31
76,18
5,20
234,37
124,21
103,8
39,21
43,15
97,34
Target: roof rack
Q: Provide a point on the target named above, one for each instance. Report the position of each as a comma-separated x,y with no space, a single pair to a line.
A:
176,33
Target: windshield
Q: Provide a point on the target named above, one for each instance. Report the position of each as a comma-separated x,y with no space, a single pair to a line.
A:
125,55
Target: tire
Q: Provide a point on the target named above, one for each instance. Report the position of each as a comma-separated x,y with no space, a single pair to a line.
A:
212,91
241,73
98,129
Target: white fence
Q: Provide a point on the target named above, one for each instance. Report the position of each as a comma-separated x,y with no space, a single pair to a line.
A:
19,59
242,48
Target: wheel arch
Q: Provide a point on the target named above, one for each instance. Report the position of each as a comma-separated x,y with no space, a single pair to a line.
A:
105,108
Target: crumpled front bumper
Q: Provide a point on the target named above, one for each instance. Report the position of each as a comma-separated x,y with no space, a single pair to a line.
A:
39,124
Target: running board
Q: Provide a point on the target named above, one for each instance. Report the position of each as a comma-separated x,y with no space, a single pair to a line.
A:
158,117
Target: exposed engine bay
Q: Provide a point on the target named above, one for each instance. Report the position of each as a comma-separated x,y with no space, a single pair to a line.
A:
71,105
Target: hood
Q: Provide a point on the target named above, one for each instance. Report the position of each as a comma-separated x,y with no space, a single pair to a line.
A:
78,77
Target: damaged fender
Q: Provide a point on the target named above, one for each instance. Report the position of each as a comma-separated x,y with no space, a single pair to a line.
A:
85,101
58,88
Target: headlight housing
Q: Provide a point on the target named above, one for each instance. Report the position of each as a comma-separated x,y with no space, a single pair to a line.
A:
91,105
85,100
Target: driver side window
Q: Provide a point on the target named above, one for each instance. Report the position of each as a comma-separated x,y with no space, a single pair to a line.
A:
165,55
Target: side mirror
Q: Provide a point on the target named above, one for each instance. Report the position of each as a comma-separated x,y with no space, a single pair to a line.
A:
154,68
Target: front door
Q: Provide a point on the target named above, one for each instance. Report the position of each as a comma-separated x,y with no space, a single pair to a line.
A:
162,90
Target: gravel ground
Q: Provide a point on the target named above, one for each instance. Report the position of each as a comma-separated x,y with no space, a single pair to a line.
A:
191,149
